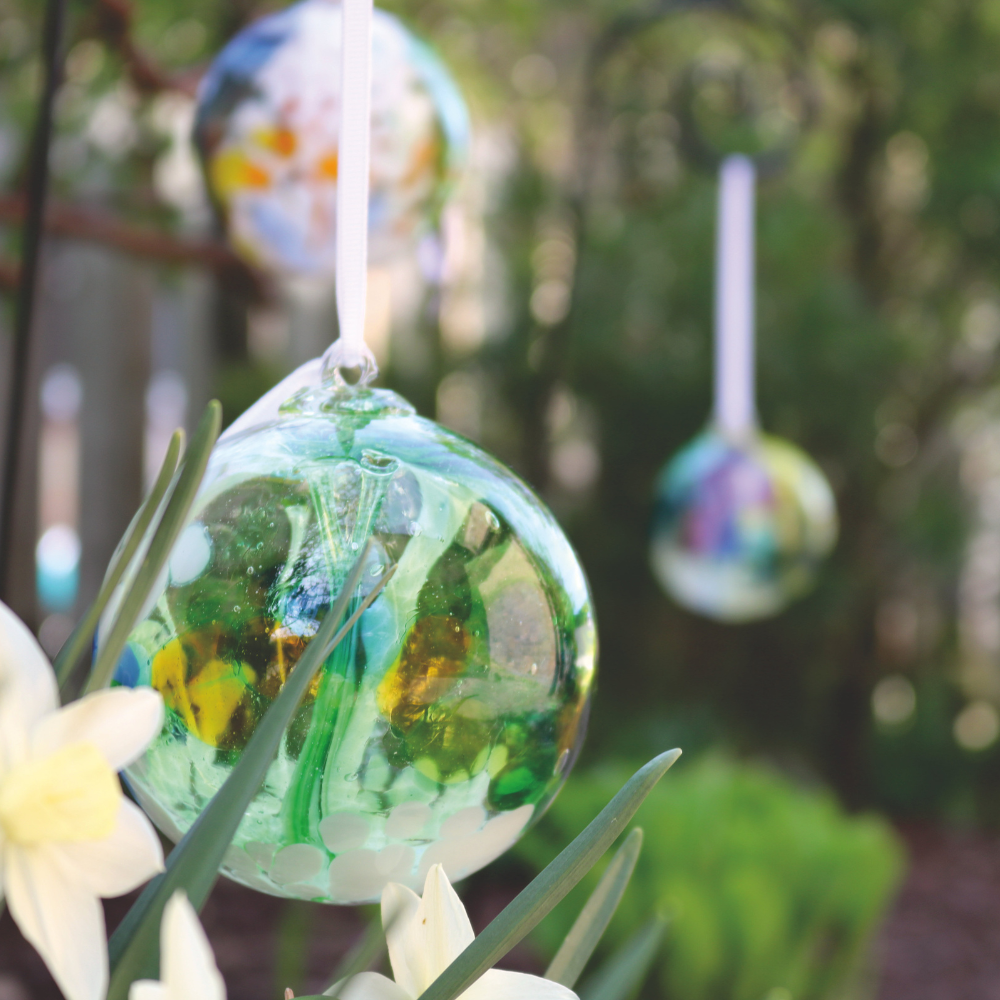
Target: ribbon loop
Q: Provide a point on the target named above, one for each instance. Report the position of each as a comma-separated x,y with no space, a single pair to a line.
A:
735,409
343,354
354,146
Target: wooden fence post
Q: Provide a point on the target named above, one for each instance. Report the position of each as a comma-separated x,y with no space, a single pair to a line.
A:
112,353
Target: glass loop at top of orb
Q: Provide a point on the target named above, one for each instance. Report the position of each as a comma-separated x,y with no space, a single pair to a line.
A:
341,357
267,131
444,724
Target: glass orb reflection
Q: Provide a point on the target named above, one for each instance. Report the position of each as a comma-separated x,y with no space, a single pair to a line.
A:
447,720
739,531
267,131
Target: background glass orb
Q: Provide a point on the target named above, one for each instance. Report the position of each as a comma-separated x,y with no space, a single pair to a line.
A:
739,531
447,720
267,129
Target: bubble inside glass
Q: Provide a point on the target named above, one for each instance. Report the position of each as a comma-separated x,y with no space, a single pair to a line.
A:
447,720
268,126
740,531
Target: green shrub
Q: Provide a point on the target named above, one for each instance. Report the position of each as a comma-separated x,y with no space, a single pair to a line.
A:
770,889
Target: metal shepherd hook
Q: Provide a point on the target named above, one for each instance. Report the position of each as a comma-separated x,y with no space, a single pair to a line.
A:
36,190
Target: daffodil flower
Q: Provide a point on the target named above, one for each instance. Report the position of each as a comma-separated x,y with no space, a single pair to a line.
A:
187,965
425,936
67,834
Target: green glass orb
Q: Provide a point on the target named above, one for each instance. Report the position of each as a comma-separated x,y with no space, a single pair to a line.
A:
446,721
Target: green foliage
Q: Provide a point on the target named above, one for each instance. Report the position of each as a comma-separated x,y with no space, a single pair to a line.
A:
589,927
83,634
167,530
625,972
765,885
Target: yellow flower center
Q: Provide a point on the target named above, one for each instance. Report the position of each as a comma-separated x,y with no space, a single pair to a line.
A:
71,794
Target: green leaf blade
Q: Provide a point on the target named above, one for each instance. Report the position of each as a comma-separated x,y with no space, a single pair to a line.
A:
548,888
627,970
369,948
590,925
167,532
83,634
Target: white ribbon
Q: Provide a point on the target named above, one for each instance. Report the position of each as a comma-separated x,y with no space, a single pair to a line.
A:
735,410
353,152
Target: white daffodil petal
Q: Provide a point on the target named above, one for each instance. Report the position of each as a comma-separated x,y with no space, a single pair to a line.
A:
27,686
498,984
22,659
14,732
368,986
61,918
121,723
148,989
130,856
187,965
400,906
446,929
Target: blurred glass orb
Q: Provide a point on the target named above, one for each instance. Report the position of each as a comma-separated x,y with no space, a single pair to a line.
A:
740,531
267,128
447,720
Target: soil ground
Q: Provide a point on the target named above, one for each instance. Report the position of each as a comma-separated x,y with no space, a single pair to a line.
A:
940,942
942,938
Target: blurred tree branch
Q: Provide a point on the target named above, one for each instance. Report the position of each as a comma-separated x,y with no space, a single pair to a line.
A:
93,225
114,23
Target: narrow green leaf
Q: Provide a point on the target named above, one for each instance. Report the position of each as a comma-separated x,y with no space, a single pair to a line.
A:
193,864
545,891
371,947
626,970
594,918
83,635
292,940
171,524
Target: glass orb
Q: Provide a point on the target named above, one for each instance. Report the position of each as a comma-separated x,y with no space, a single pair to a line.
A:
447,720
267,128
739,531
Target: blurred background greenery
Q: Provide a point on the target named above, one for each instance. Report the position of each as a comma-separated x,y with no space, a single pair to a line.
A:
562,318
767,889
